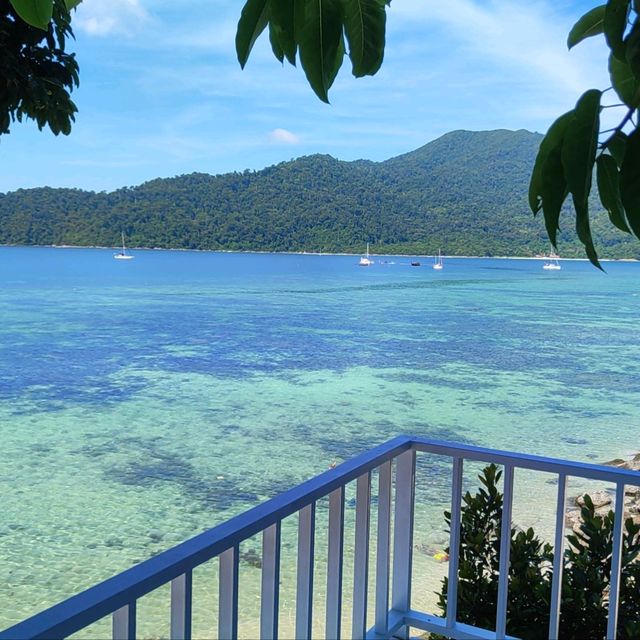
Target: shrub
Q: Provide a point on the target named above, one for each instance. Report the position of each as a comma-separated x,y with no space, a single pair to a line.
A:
586,577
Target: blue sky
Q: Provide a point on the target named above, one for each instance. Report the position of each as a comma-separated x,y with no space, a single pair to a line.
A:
162,94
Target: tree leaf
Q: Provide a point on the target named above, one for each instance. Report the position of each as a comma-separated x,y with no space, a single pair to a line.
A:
252,23
72,4
37,13
548,186
625,83
615,23
364,24
282,23
591,24
578,157
630,182
617,145
633,49
551,141
609,190
319,35
275,42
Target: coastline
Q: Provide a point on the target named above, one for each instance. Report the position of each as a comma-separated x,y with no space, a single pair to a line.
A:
309,253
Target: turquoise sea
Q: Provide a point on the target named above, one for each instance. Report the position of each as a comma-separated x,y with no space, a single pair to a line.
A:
144,401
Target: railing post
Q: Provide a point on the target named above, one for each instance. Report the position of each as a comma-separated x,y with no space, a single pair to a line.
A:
304,589
181,588
616,563
454,542
123,623
269,605
505,552
383,548
558,560
361,557
335,546
403,534
228,594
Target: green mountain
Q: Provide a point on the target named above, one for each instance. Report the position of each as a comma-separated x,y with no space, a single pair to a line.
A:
465,193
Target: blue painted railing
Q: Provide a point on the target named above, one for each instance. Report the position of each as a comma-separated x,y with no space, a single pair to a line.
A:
393,614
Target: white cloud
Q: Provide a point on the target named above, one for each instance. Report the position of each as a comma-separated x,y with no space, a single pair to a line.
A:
100,18
529,36
282,136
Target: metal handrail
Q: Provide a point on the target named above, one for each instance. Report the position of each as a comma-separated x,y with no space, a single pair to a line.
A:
118,594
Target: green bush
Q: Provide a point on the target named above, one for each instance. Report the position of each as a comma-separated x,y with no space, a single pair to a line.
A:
586,577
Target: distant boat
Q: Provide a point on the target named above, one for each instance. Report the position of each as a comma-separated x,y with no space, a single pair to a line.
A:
365,261
123,255
415,263
437,264
552,264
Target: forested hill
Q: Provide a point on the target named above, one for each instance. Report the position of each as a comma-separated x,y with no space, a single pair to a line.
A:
465,193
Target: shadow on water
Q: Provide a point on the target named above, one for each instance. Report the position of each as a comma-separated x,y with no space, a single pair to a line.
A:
146,464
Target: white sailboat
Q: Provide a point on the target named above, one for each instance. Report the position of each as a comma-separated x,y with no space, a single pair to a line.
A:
365,261
552,264
123,255
437,264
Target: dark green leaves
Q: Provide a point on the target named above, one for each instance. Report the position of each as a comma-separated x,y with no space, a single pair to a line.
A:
623,80
616,146
578,157
591,24
253,21
364,24
633,48
609,189
318,27
615,24
282,29
564,165
630,182
548,187
37,13
316,30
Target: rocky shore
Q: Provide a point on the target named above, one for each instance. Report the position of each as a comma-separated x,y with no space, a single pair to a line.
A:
603,499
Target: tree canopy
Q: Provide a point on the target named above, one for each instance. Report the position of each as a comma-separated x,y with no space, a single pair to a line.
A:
39,75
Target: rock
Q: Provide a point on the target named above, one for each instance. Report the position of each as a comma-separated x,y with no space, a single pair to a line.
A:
252,558
632,465
427,549
599,498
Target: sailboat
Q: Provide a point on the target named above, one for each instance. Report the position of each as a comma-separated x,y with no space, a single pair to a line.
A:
552,264
123,255
365,261
437,263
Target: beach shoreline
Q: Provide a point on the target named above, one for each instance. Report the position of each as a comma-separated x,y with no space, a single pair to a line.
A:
307,253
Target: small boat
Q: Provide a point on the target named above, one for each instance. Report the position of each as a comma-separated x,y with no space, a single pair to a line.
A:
415,263
365,261
437,264
552,264
123,255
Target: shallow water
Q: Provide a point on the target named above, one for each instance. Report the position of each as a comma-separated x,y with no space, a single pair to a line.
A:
144,401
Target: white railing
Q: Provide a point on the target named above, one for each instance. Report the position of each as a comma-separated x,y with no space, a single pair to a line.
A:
392,573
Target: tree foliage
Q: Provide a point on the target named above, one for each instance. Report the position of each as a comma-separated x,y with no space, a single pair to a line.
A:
317,203
38,75
586,576
319,33
575,144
